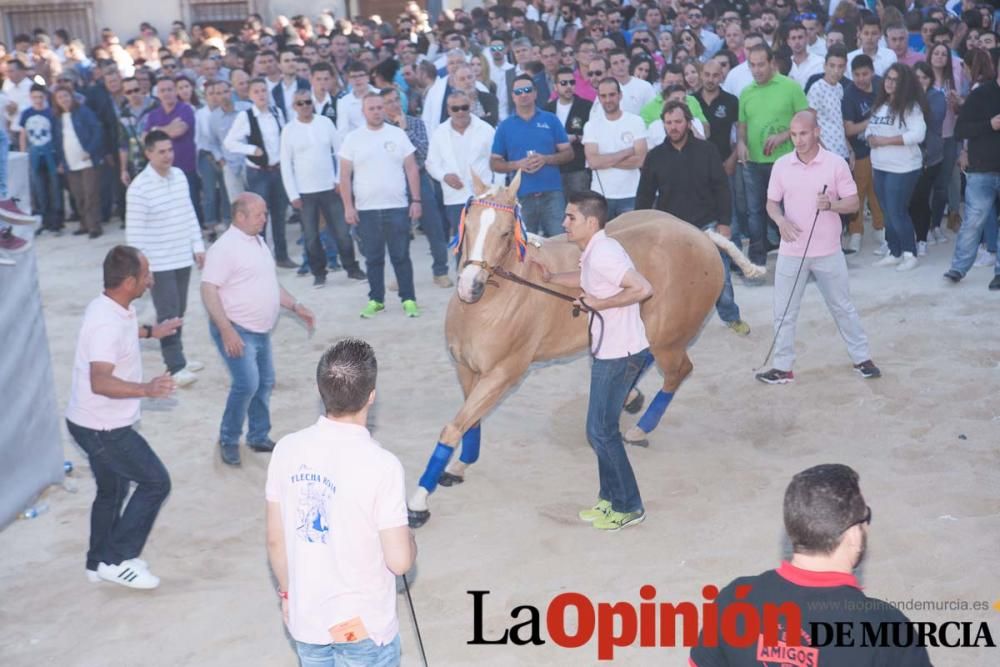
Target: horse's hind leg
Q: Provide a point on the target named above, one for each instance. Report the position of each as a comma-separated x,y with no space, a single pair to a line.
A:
485,393
676,366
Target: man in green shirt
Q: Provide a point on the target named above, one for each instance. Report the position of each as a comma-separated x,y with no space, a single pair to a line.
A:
766,110
672,75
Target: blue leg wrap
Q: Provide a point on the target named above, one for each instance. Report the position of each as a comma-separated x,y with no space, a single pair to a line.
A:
435,466
470,445
654,413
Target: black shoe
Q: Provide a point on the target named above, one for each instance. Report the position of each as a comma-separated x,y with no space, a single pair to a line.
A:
80,232
333,268
774,376
995,283
96,234
953,275
287,264
319,282
356,274
868,370
230,454
266,446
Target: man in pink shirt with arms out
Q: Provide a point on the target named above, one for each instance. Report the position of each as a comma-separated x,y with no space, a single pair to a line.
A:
613,288
809,189
101,416
337,531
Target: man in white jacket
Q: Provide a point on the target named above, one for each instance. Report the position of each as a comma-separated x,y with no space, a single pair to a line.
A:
309,146
459,148
434,102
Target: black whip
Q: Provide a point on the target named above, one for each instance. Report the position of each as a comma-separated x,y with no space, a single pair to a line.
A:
413,615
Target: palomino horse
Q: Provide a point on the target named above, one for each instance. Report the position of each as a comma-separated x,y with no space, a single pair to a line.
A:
682,264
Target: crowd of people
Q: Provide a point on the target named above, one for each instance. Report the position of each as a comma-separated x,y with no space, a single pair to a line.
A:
206,145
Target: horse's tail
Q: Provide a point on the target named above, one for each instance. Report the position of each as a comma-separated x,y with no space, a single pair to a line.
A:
750,270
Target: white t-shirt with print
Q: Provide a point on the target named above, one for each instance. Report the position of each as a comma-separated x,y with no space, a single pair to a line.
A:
826,100
612,136
377,157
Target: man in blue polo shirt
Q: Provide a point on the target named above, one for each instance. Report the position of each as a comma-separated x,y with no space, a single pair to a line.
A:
535,142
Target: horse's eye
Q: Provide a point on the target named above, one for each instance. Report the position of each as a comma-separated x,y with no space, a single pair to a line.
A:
507,235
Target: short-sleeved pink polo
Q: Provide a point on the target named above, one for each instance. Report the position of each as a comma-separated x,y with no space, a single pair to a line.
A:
603,265
242,267
796,185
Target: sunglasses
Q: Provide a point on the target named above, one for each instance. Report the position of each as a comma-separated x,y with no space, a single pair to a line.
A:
643,40
524,90
497,48
567,52
131,91
304,103
694,16
809,16
566,82
459,107
169,66
595,73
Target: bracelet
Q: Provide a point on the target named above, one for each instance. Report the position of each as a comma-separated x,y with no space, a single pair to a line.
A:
148,330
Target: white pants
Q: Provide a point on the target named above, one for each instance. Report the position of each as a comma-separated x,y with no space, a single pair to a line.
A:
831,278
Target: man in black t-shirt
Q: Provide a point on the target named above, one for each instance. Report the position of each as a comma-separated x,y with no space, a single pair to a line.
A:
827,523
859,98
722,111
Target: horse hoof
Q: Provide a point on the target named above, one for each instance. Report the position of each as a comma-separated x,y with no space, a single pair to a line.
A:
636,437
447,479
418,518
633,406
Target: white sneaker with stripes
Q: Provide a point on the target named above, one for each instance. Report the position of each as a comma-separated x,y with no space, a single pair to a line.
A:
128,573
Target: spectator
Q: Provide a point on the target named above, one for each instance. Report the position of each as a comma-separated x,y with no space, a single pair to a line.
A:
242,295
458,149
378,169
349,106
354,535
534,142
573,112
804,63
826,97
522,48
615,147
635,93
233,165
869,45
100,97
320,80
283,92
256,134
176,119
132,126
740,76
933,155
672,75
859,100
897,38
949,78
722,111
696,23
895,131
103,410
309,146
46,63
807,191
78,140
684,176
214,203
766,110
827,522
36,141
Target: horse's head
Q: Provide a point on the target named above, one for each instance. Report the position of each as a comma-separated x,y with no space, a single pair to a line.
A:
489,236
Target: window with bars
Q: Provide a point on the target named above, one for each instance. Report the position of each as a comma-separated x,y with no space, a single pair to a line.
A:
77,18
225,15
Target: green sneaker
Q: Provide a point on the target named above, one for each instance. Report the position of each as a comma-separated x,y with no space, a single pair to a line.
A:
613,521
598,511
372,309
739,327
410,308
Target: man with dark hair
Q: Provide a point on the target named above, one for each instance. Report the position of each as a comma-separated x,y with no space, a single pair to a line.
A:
613,287
614,143
859,100
349,113
827,522
103,409
176,118
573,112
337,530
283,93
804,63
868,44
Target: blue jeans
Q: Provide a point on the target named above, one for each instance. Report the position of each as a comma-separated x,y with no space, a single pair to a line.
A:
433,223
453,212
544,212
610,382
755,179
252,376
894,192
981,190
378,230
45,188
365,653
214,203
618,206
117,458
942,181
335,235
268,185
738,195
4,151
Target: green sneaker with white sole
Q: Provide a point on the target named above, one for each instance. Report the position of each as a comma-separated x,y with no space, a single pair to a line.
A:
372,309
410,308
613,521
598,511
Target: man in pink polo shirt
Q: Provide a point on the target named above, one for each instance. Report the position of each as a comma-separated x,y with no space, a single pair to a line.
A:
809,189
101,415
337,531
240,290
612,287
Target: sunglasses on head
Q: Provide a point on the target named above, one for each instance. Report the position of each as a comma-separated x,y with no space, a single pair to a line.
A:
459,107
524,90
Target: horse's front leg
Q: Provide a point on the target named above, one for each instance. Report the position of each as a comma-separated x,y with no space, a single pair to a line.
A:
454,473
484,394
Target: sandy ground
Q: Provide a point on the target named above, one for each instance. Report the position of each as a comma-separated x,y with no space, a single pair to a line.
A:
924,439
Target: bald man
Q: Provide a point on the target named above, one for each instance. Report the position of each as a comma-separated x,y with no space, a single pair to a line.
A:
809,189
240,290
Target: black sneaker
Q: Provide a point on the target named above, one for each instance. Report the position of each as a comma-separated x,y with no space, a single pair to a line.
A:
868,370
995,283
774,376
319,282
230,454
953,275
266,446
286,264
356,274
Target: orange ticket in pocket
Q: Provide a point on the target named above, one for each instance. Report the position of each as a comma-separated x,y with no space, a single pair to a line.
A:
349,632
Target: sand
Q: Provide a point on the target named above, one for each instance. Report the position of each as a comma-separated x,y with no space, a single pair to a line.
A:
924,439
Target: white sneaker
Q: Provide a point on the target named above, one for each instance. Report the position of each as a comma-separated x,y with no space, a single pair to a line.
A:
882,250
128,573
184,377
94,578
985,258
888,260
922,247
941,234
907,263
931,239
195,366
854,243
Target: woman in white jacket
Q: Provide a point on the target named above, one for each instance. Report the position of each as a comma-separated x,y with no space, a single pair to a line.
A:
895,132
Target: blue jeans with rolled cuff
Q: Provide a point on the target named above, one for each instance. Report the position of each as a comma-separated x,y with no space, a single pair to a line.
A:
981,191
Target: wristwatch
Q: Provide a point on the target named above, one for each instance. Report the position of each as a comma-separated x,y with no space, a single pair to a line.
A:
147,330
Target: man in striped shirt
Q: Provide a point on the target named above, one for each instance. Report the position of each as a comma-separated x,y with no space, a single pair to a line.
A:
160,221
